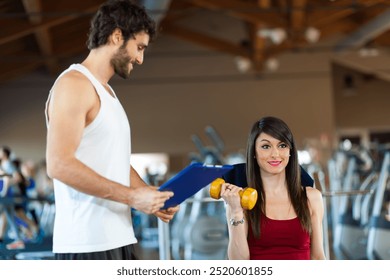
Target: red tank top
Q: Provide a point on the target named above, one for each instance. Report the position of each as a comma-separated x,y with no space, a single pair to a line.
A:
280,240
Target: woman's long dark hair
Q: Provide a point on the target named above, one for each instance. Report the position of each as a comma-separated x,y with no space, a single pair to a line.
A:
278,129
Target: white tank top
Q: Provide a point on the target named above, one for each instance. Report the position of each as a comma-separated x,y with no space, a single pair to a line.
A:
84,223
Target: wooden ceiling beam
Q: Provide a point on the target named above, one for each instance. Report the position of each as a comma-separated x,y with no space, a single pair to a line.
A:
323,18
370,2
337,10
383,39
342,27
247,11
258,55
42,35
366,32
264,4
33,9
24,29
283,5
298,15
259,43
178,10
205,40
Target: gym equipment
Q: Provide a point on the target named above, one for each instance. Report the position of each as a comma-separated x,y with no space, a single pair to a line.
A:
347,194
39,247
248,195
349,239
359,227
213,154
208,154
199,230
215,138
378,245
203,229
208,236
198,233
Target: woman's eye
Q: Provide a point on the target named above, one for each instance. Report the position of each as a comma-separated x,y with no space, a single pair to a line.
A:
283,146
265,147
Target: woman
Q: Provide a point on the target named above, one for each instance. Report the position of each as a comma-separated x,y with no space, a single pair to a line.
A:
286,222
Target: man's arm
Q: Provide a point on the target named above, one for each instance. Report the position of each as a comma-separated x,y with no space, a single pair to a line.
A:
135,179
137,182
73,105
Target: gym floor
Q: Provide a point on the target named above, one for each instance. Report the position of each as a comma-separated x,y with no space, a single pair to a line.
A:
43,250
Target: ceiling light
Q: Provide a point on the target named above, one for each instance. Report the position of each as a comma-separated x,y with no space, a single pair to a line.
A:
243,64
272,64
312,34
276,35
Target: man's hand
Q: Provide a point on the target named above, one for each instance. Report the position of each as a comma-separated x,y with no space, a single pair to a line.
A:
167,214
148,199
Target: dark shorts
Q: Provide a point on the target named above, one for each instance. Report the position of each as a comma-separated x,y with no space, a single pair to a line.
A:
122,253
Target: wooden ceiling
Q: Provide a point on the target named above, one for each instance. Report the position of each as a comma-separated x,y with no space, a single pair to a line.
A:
42,34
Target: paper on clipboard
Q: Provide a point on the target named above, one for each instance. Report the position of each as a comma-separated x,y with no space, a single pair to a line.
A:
190,180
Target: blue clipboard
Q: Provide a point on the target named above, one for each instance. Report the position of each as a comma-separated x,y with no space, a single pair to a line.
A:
190,180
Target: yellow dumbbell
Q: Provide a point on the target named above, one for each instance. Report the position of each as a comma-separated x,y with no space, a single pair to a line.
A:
248,195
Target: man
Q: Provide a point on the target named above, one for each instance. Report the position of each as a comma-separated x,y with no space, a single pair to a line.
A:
8,180
5,160
89,145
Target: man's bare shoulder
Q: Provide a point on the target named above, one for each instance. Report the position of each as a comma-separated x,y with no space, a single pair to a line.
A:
73,83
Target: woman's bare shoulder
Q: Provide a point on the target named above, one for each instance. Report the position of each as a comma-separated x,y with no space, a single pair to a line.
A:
313,194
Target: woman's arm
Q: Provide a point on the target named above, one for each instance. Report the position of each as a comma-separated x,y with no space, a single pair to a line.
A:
238,248
317,213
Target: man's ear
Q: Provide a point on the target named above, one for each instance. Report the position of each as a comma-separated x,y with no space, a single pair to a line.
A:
116,37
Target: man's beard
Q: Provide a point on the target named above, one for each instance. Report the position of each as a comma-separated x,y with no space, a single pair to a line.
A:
120,62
